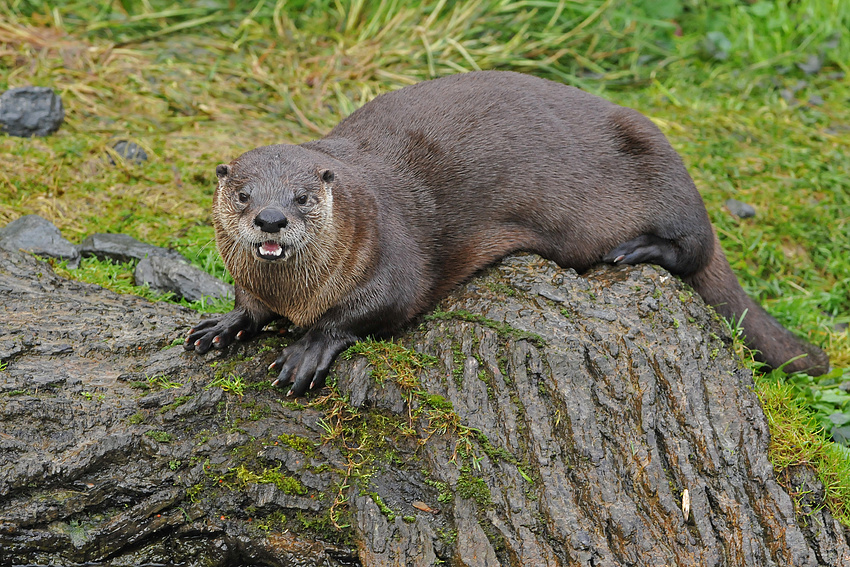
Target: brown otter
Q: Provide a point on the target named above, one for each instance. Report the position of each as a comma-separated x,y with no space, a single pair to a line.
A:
358,232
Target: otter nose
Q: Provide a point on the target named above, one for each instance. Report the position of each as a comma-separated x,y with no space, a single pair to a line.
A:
270,220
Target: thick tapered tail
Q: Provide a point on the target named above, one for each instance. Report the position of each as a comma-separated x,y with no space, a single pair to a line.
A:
775,345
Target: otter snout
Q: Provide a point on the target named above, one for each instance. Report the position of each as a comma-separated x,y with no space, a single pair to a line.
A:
270,220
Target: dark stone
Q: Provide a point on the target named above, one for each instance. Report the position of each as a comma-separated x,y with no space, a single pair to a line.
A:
740,209
122,248
38,235
30,111
170,275
129,151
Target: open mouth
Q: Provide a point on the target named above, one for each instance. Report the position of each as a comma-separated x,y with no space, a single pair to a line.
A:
270,250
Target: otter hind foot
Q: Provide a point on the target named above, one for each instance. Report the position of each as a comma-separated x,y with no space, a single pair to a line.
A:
306,363
221,331
646,248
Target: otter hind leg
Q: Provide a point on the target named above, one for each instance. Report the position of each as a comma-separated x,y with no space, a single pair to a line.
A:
651,249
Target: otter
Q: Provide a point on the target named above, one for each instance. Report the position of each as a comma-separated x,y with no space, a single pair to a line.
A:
359,232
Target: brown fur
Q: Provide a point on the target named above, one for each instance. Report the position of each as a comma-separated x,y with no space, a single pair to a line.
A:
422,187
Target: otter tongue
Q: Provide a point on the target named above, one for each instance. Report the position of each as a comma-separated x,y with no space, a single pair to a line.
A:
270,248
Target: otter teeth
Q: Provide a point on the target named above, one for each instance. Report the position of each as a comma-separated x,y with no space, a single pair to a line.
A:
270,249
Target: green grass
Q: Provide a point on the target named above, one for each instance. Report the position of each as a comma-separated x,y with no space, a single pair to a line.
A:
198,83
797,438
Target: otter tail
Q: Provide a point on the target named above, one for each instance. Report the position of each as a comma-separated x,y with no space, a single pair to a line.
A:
774,344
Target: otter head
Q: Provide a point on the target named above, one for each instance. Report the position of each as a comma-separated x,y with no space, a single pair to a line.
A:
271,208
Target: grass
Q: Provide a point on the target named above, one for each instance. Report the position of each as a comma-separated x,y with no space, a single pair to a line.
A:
754,95
797,438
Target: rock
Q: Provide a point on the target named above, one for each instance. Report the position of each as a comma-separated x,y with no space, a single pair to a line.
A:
170,275
812,65
122,248
533,434
129,151
30,111
37,235
740,209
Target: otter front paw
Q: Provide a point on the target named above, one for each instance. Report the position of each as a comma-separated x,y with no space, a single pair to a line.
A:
306,363
220,332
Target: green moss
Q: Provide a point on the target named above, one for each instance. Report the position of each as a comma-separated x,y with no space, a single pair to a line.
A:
256,410
160,436
445,493
447,536
438,402
474,488
458,361
502,289
326,527
178,401
385,510
300,444
136,419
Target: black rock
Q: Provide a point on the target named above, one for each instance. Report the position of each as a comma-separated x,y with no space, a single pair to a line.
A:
122,248
30,111
130,151
167,274
739,209
35,234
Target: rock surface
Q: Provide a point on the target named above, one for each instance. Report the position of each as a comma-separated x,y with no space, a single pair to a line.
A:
30,111
130,152
170,275
540,418
740,209
38,235
122,248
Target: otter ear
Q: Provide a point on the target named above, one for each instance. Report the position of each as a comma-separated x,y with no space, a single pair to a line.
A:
222,170
327,175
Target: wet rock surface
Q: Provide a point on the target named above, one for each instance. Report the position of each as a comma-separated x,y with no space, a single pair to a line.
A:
122,248
171,275
162,269
37,235
30,111
556,420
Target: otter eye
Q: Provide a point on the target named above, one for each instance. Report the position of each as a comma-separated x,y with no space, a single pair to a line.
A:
301,199
243,197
